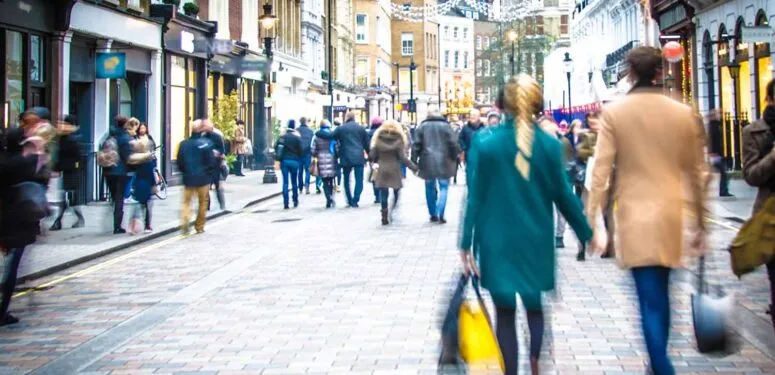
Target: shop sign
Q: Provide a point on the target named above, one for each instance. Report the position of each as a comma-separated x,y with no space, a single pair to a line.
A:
757,34
187,41
111,65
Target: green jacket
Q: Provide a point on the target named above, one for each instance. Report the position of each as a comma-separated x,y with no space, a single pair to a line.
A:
509,220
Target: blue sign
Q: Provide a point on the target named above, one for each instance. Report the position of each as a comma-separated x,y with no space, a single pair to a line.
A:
111,65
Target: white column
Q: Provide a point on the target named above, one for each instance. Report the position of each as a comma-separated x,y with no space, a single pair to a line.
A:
64,78
155,115
101,100
373,108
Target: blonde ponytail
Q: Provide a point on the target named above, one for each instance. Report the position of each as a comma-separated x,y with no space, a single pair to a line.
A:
522,99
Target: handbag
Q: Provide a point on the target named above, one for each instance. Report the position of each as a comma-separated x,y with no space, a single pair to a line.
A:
754,244
710,317
313,167
374,173
28,202
467,335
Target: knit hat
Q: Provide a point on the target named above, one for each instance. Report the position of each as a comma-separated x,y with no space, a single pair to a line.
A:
493,114
376,121
291,124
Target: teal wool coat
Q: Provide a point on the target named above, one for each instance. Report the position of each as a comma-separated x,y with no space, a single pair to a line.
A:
509,220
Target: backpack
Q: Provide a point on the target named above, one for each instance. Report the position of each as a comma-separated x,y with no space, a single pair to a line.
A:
28,203
108,157
279,149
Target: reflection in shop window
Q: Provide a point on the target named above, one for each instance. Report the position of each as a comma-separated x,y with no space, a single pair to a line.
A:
14,98
125,100
37,58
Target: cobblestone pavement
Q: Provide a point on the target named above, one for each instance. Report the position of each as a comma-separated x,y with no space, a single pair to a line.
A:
315,291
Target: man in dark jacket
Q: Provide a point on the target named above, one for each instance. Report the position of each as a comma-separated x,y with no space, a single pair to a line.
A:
68,164
435,152
219,150
117,176
716,151
468,132
306,135
353,143
196,160
289,150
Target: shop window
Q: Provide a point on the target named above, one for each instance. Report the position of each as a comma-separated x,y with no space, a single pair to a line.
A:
37,59
125,99
182,100
14,68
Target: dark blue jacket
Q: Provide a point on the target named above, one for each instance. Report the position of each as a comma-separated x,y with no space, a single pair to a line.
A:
196,161
124,151
466,137
353,142
306,135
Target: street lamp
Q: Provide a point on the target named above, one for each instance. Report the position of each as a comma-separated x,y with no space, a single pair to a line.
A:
412,106
393,89
590,75
267,22
669,81
512,36
568,65
734,72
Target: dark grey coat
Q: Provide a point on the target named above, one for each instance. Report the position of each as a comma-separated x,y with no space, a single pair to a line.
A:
435,149
321,149
353,141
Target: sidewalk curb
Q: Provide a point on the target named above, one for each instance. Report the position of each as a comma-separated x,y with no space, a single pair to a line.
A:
139,240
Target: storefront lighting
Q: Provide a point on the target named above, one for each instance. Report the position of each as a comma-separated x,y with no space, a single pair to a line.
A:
734,70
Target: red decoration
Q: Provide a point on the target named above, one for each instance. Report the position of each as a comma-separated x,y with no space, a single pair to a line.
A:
673,51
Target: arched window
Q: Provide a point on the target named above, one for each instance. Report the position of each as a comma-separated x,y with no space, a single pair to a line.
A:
707,60
763,62
125,99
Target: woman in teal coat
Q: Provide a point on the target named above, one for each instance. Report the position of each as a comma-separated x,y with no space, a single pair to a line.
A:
516,175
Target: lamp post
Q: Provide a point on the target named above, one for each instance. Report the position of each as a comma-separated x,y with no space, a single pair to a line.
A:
568,65
512,36
393,89
734,72
669,82
412,106
267,22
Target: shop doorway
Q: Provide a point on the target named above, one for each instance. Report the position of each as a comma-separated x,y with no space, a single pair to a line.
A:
82,106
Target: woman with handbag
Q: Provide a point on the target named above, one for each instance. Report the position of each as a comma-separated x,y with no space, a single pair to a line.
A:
24,178
142,162
387,153
518,175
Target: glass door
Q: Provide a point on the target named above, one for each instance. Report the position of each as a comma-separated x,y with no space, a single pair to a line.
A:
13,104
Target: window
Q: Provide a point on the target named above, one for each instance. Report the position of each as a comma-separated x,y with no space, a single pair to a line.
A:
454,33
478,43
182,99
478,68
446,32
552,26
37,57
564,24
457,59
446,59
361,28
362,72
465,60
551,3
136,4
14,97
380,36
465,33
125,98
486,68
407,44
486,42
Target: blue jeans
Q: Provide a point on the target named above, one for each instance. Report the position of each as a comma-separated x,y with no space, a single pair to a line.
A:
306,161
14,259
290,171
436,198
353,199
653,289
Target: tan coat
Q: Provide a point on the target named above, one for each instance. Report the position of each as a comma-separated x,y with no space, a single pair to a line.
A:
657,147
238,144
758,168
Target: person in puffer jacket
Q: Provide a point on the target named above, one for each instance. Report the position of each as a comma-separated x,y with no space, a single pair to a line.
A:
324,150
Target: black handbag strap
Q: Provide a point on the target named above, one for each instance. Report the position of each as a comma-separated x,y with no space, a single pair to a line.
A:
702,287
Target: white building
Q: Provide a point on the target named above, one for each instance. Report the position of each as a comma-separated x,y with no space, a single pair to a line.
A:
457,62
313,53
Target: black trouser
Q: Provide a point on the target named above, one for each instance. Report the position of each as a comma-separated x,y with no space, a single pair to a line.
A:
328,188
9,279
238,165
384,194
771,274
218,193
723,183
65,205
117,185
506,332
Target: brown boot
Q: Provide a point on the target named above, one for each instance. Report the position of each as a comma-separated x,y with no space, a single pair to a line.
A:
385,216
534,366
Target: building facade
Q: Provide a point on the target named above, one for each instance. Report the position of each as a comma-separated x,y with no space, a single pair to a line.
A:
418,42
313,52
373,77
457,63
733,33
488,62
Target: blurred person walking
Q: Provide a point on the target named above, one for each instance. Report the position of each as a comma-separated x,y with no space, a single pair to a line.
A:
115,152
388,149
215,136
142,162
324,150
435,151
550,127
716,151
376,122
239,146
68,165
288,150
23,172
493,118
759,168
468,132
353,143
650,210
508,215
306,134
196,159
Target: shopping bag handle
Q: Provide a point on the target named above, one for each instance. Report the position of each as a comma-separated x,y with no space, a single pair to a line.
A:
702,287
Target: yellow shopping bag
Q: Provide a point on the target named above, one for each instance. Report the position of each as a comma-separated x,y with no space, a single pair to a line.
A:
477,342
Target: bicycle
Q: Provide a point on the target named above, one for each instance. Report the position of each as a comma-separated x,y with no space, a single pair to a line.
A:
160,186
